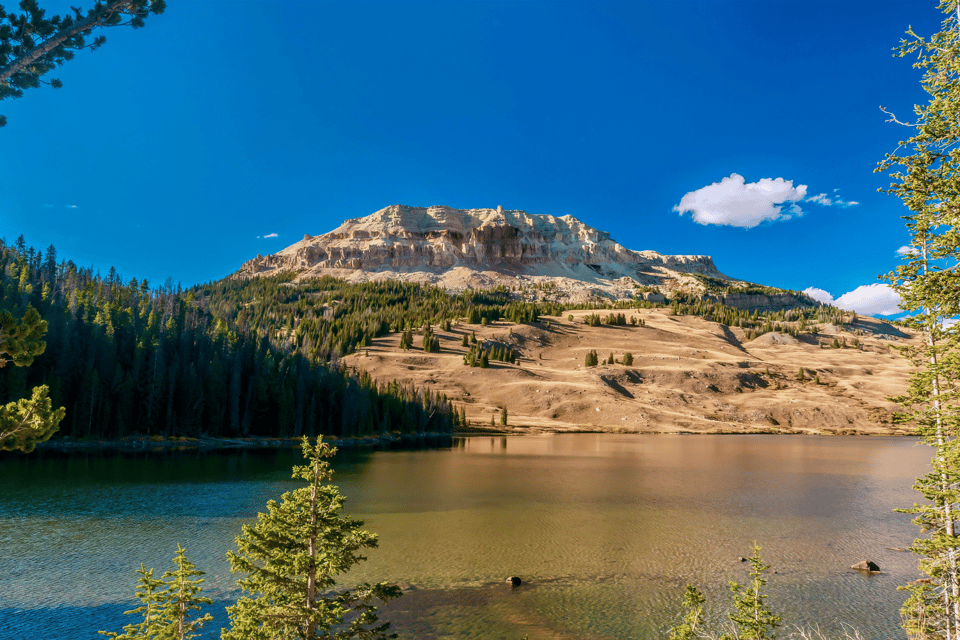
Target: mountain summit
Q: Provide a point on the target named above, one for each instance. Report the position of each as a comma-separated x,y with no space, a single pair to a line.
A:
460,248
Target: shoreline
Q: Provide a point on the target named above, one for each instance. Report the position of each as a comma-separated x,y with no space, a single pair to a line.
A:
158,443
392,441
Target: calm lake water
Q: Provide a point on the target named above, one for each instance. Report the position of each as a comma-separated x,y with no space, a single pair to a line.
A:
605,530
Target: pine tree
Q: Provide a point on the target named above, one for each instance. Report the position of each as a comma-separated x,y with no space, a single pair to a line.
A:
167,604
925,179
753,619
25,422
182,596
628,359
591,359
693,614
610,359
291,558
32,44
503,416
465,342
154,623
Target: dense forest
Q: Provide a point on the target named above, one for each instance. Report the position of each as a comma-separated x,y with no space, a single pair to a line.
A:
325,318
123,358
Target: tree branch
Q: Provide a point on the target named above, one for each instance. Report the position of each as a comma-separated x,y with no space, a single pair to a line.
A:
80,26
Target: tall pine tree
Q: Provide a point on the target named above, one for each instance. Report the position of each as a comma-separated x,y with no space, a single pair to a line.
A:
292,557
925,173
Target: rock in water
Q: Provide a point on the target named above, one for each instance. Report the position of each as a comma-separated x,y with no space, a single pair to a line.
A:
867,565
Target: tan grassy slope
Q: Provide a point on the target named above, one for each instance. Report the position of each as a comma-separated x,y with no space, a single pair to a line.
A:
688,374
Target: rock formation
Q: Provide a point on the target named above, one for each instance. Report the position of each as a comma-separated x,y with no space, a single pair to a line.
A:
460,248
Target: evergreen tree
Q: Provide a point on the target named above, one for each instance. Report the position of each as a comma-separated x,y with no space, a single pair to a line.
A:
465,342
503,415
182,596
924,169
628,359
167,604
154,624
27,421
291,558
591,360
693,614
32,44
610,359
753,619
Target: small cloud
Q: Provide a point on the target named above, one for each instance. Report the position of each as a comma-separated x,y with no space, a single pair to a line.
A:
49,206
71,206
905,251
829,201
269,235
737,203
819,295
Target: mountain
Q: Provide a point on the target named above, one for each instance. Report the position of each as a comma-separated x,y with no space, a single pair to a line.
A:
558,257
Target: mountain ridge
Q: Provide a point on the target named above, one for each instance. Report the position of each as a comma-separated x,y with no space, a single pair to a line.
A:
481,248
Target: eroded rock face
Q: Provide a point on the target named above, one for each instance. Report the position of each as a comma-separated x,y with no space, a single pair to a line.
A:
457,248
401,236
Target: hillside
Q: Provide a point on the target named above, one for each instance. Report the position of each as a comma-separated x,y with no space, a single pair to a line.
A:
688,375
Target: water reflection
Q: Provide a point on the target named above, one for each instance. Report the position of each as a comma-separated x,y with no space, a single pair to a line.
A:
605,529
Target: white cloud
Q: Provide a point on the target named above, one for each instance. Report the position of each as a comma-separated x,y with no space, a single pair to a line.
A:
819,294
48,205
829,201
71,206
906,251
736,203
269,235
871,299
868,299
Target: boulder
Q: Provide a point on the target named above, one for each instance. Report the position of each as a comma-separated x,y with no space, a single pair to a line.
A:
866,565
515,581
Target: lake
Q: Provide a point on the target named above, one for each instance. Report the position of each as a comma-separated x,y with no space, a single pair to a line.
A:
604,529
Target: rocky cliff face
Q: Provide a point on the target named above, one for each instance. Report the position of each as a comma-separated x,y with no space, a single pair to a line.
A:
459,248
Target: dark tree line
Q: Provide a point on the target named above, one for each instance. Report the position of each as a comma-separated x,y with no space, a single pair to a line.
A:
123,358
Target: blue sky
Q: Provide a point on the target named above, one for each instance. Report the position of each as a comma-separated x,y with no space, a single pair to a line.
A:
174,150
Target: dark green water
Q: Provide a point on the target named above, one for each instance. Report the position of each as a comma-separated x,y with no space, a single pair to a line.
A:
604,529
